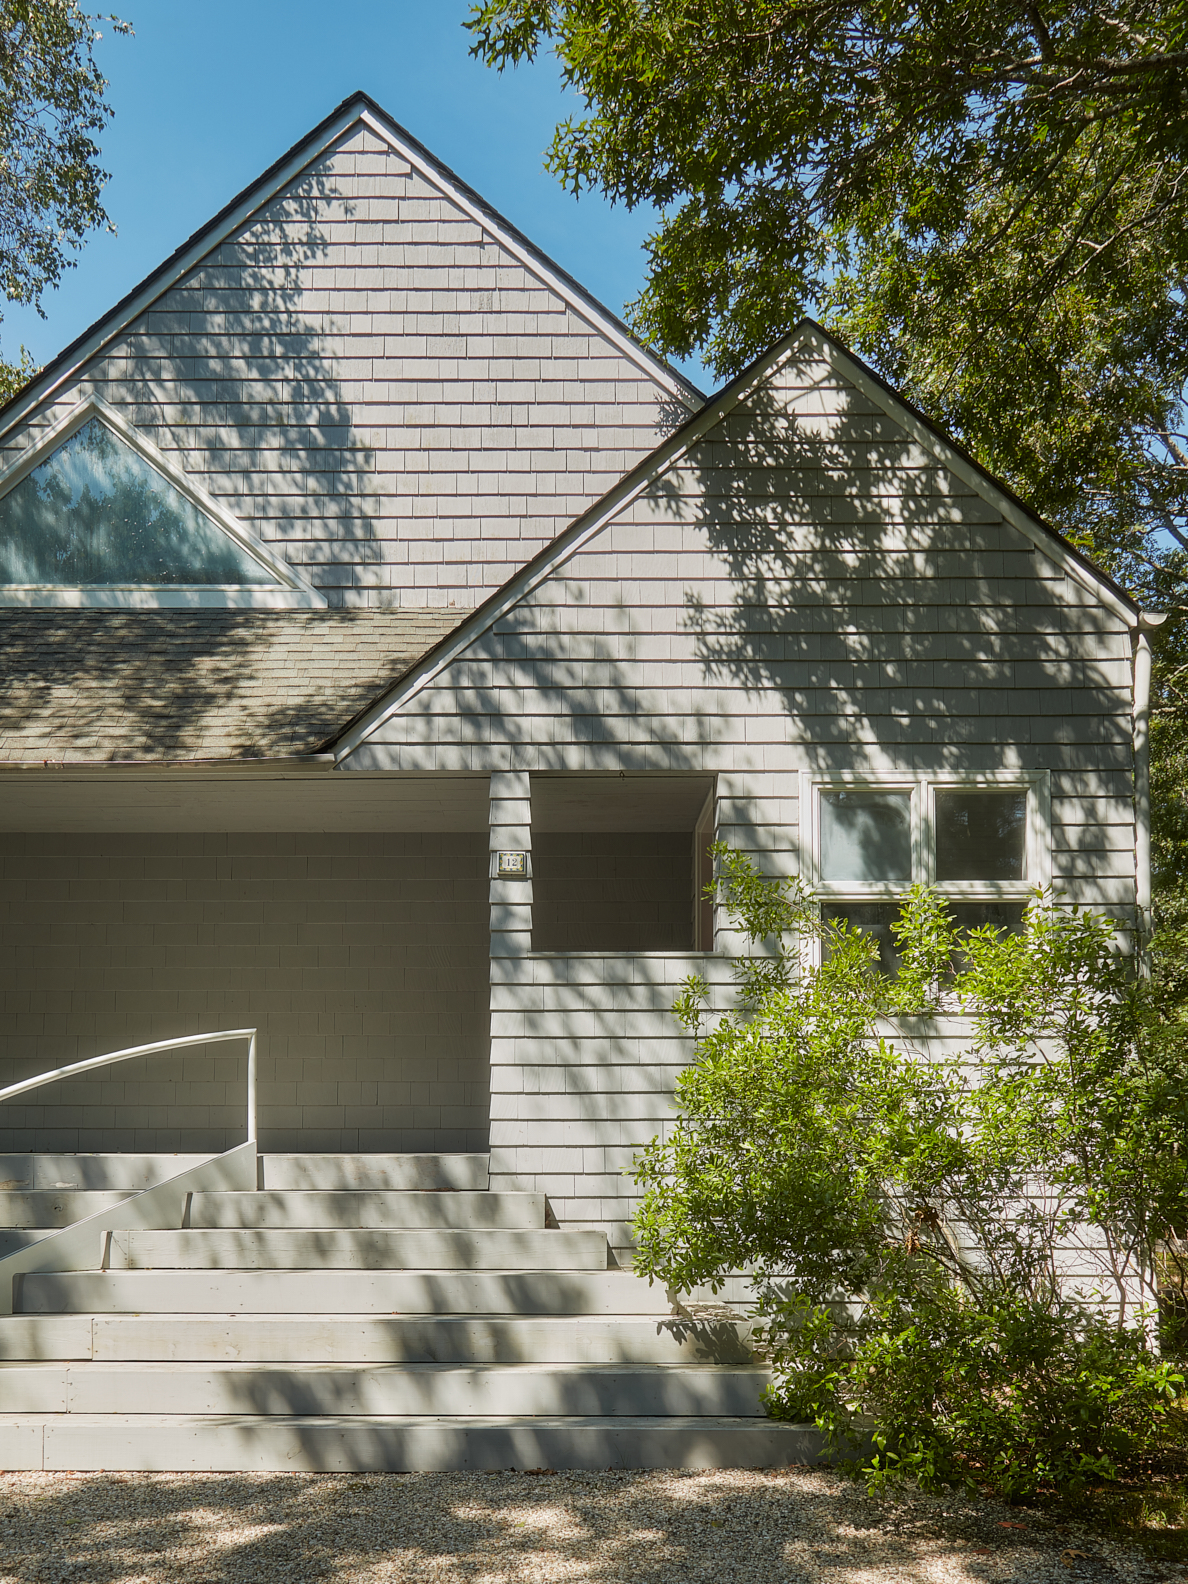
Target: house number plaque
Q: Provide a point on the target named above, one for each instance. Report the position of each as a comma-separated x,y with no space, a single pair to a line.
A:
512,866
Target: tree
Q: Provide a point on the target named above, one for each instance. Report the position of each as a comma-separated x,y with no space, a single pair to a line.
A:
988,200
52,110
909,1217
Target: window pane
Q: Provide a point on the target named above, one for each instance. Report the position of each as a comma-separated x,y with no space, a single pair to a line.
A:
95,512
876,918
980,835
865,835
1006,916
870,918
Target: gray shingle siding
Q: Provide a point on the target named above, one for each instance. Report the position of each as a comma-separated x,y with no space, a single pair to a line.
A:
807,590
378,389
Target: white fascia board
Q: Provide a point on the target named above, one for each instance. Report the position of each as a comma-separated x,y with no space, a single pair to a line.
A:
87,772
586,308
108,330
566,544
294,590
145,596
847,367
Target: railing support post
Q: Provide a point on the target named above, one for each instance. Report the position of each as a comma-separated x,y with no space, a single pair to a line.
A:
251,1090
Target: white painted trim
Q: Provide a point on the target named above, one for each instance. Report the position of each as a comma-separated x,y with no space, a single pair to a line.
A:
294,588
542,567
584,307
195,596
1142,782
847,367
923,785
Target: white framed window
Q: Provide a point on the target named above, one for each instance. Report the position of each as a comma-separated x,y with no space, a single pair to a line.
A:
983,840
92,513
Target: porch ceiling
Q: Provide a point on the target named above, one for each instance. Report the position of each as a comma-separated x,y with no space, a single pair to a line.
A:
119,800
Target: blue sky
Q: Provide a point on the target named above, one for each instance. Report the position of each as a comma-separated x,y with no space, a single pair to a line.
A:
206,97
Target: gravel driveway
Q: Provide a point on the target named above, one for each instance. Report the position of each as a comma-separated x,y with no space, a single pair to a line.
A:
612,1528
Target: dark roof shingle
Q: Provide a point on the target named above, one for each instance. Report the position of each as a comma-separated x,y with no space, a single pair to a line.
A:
196,684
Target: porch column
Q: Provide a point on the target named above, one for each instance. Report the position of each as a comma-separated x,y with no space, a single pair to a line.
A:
511,976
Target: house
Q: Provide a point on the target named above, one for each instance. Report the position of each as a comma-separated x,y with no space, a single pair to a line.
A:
385,634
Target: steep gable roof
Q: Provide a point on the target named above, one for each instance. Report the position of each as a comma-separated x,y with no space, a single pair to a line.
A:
808,335
358,108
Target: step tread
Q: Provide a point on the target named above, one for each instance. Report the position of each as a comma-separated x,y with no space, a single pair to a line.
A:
422,1367
390,1208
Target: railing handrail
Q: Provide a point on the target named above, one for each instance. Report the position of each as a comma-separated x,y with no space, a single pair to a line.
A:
92,1062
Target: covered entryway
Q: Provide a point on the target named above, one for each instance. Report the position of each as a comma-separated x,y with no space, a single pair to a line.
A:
344,915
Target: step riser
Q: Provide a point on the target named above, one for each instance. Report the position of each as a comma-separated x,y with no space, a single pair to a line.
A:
126,1173
379,1340
370,1208
14,1238
366,1249
49,1209
435,1173
327,1446
413,1390
349,1292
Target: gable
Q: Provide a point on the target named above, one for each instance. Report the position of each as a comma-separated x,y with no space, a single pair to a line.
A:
804,489
375,375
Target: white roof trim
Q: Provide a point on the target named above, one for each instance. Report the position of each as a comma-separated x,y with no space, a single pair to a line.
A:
585,307
584,529
294,589
848,367
261,195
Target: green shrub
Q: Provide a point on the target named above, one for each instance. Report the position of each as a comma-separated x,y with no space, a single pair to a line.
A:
904,1213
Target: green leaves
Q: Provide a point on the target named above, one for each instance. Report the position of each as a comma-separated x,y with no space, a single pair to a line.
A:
989,202
52,111
905,1167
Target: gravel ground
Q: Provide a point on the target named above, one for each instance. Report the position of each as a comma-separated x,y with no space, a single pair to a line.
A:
664,1527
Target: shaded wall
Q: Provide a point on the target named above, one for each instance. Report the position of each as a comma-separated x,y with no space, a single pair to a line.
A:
617,891
362,958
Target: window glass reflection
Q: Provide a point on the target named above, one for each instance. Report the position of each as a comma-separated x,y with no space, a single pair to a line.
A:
866,834
95,512
870,918
980,834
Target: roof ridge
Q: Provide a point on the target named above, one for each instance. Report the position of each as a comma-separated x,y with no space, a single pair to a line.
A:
261,190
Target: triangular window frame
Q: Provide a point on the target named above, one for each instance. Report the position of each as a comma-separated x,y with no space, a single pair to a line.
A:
291,590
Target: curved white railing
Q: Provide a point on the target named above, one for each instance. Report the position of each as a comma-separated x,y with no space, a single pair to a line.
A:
149,1050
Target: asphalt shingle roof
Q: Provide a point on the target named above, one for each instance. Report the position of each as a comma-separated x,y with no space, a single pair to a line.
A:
196,684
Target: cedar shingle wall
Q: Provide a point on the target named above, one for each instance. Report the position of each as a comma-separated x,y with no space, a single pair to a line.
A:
379,391
362,959
809,590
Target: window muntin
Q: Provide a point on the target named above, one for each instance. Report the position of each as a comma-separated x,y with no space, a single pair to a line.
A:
96,513
974,836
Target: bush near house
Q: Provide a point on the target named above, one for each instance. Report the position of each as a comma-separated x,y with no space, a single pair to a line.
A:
963,1233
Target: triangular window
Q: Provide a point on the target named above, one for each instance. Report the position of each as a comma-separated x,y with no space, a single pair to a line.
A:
96,513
